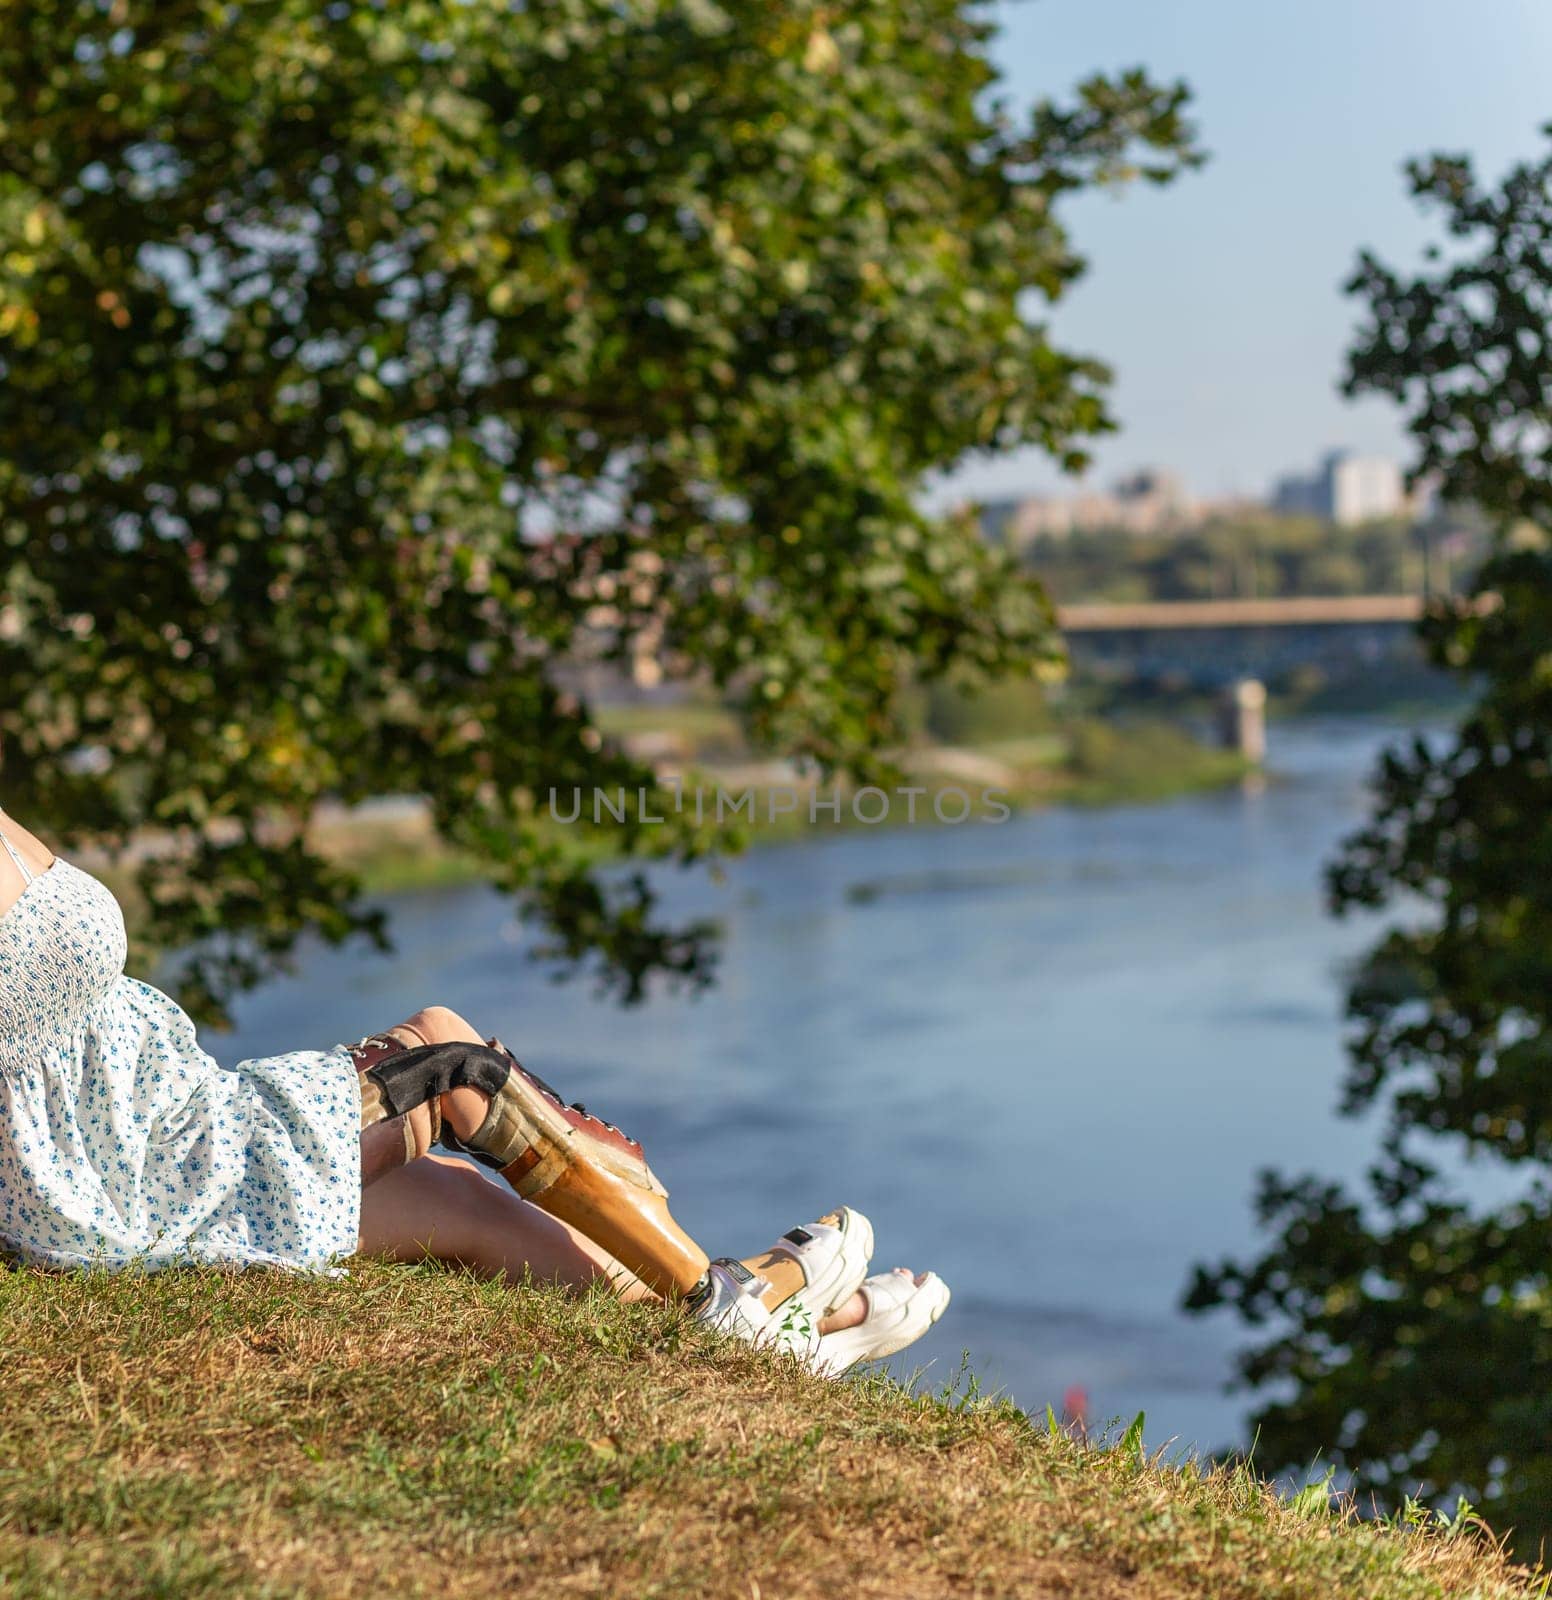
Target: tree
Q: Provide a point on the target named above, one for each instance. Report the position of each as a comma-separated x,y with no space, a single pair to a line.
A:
363,366
1413,1329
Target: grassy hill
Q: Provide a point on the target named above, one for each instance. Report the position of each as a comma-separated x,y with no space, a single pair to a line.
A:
406,1431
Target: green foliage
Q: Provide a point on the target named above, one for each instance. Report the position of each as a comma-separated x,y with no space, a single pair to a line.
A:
1141,759
363,368
1012,710
1314,1499
1131,1446
1260,556
1413,1329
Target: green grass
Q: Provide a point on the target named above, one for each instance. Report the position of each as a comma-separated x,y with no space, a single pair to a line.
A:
1142,762
407,1431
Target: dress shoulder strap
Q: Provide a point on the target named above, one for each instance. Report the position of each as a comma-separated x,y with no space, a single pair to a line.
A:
15,855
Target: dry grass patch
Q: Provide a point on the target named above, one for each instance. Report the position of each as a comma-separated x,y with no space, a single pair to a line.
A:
410,1432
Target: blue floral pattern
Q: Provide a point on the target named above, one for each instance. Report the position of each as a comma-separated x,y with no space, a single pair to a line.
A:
122,1143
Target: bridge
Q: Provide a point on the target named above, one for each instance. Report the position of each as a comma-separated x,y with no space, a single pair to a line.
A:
1234,647
1301,611
1209,644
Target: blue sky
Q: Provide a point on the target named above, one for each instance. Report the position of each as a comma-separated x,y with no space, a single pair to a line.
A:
1217,300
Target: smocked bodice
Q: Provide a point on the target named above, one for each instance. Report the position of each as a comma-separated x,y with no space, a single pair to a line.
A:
62,951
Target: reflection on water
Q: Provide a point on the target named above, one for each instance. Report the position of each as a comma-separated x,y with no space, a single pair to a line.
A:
1046,1057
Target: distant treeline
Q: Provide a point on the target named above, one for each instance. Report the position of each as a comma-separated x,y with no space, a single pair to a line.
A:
1261,555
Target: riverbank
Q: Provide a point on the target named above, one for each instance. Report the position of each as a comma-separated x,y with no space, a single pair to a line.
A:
408,1431
1084,761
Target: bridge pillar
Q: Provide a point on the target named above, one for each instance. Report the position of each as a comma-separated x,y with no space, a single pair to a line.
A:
1242,719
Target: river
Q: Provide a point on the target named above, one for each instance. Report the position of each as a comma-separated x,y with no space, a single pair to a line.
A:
1047,1058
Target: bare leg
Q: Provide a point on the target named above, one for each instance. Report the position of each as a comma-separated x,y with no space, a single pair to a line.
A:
444,1208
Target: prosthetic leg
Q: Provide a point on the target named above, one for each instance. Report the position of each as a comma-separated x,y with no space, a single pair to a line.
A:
586,1172
573,1165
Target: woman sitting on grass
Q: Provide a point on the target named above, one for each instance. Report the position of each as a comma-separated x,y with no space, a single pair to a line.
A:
123,1144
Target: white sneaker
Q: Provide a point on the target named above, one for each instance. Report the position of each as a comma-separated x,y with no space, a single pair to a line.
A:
732,1301
900,1311
833,1254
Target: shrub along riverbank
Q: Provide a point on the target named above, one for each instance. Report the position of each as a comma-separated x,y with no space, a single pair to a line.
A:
408,1431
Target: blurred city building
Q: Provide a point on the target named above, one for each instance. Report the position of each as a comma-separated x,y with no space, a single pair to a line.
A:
1148,501
1347,489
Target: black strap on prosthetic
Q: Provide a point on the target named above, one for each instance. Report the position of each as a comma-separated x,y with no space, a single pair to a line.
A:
412,1078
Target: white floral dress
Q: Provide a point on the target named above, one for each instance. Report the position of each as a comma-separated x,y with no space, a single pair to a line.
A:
122,1143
